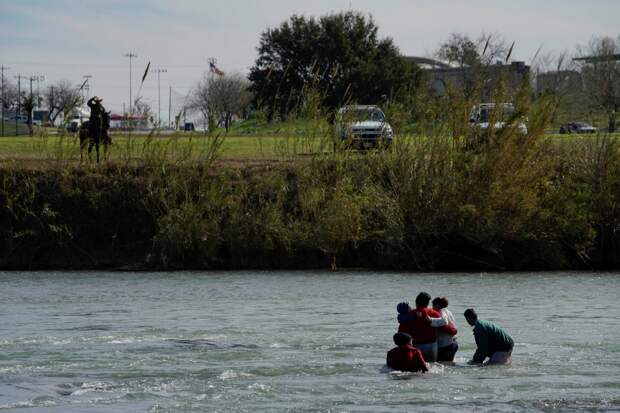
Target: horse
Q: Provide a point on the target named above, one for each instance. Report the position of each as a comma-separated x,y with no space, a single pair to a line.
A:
87,136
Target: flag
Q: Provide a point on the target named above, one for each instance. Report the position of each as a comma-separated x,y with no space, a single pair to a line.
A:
510,51
214,69
146,71
486,45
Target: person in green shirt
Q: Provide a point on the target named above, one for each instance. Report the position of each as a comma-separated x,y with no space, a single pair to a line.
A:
492,341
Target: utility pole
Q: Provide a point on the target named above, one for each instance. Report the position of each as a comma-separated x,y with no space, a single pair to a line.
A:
39,78
50,106
32,79
2,69
130,55
87,87
169,105
19,100
158,71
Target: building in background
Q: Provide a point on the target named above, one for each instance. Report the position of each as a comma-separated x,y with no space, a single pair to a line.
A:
442,75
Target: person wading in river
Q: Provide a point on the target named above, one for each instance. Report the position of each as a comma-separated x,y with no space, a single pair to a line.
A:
405,357
417,323
492,341
447,346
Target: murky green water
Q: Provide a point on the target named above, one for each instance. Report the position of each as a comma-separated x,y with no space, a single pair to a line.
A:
300,341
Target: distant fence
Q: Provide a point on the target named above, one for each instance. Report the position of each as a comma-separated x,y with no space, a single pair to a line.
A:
10,129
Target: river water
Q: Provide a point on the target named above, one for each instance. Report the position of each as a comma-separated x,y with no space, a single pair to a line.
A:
297,341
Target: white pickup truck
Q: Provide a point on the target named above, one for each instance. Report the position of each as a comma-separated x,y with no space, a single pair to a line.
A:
363,126
482,115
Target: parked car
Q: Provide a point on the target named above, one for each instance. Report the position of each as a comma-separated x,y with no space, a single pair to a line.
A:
18,118
482,115
577,127
363,126
74,125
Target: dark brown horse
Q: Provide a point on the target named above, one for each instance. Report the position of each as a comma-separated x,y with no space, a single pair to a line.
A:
93,140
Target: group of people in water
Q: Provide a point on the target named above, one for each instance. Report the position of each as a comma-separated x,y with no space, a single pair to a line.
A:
429,334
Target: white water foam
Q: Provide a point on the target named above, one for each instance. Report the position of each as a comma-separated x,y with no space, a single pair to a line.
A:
259,387
231,374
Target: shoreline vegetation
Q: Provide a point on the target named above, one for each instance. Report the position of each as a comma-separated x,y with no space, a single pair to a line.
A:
446,197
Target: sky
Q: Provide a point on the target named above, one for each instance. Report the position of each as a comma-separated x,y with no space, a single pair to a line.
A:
69,39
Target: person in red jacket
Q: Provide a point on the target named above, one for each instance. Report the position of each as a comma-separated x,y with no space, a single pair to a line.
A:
405,357
417,323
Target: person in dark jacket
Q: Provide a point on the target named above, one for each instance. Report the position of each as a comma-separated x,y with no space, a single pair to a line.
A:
492,341
405,357
99,119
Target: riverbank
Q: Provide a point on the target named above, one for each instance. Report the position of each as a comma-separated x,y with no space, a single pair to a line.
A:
427,204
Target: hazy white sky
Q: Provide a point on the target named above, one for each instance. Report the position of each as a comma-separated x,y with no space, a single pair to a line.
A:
67,39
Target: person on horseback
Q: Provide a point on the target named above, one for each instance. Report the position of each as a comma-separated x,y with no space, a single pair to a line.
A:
97,120
94,132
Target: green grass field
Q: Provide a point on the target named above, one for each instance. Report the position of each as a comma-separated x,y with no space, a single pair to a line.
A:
172,146
245,142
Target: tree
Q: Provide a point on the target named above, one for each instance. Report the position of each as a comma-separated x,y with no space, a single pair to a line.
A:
29,102
223,97
473,57
200,101
50,96
599,63
9,99
338,54
144,111
62,98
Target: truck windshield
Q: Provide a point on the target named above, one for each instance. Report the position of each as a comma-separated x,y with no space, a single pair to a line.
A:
486,112
361,115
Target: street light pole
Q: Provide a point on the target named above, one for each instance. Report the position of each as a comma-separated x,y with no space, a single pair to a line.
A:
39,78
130,55
87,87
159,70
169,106
3,68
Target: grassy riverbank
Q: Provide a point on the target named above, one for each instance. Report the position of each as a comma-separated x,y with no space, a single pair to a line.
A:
451,197
273,143
427,204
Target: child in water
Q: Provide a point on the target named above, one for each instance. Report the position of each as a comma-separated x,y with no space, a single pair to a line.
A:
405,357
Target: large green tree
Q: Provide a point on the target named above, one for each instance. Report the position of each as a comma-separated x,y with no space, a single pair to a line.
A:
339,55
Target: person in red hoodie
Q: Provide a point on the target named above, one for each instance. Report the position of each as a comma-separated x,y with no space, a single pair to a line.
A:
417,323
405,357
